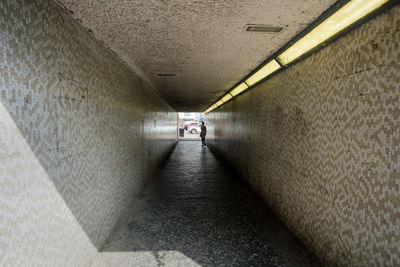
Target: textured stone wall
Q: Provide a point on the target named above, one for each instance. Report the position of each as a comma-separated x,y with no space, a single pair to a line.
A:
79,134
320,142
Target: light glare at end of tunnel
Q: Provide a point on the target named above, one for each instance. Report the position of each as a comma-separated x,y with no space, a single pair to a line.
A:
341,19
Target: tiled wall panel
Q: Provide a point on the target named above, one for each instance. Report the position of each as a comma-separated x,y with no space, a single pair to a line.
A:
320,142
96,129
36,226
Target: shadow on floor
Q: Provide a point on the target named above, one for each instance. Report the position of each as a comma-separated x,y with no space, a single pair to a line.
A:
195,205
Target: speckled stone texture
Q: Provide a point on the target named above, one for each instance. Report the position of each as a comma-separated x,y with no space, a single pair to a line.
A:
202,41
197,212
320,142
95,129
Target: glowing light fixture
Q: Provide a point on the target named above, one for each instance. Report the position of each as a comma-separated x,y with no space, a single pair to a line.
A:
238,89
342,18
345,16
268,68
211,108
219,103
227,97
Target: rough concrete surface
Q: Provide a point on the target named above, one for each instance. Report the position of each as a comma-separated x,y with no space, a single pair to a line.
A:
196,211
202,42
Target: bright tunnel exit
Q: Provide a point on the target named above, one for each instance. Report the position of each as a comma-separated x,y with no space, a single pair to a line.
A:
190,125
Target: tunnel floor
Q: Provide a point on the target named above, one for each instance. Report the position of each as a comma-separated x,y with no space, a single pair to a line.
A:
196,211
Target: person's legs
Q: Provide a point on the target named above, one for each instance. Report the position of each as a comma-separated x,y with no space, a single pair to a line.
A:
203,141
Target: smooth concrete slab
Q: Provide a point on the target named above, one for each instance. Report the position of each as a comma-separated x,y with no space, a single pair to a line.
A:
197,212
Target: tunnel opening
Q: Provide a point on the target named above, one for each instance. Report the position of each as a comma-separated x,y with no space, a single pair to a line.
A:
189,125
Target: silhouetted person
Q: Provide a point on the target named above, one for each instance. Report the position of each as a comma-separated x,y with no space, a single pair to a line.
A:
203,134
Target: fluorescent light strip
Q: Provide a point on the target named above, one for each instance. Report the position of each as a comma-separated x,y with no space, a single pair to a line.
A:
351,12
268,69
238,89
211,108
219,103
344,17
227,97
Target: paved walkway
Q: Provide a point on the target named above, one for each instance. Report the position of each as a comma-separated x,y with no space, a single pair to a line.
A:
190,136
196,211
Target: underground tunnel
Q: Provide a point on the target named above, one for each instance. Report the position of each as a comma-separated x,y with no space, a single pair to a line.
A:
101,158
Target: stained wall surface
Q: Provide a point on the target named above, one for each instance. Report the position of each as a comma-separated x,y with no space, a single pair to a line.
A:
320,142
79,135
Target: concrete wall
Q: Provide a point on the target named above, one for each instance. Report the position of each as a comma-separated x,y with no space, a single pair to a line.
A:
79,134
320,142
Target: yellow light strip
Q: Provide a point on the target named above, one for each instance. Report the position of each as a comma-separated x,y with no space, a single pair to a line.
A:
342,18
240,88
268,69
345,16
219,103
212,107
227,97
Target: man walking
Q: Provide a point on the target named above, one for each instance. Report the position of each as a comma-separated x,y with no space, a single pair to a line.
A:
203,134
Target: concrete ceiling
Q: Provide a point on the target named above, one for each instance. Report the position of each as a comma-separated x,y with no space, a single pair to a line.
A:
203,42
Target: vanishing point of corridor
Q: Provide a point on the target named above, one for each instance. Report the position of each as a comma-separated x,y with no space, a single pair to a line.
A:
196,211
